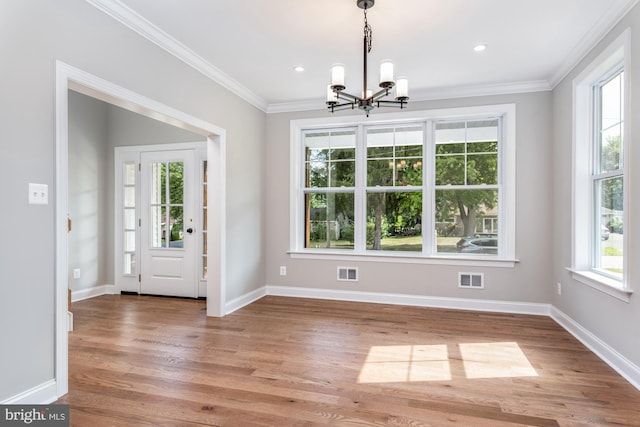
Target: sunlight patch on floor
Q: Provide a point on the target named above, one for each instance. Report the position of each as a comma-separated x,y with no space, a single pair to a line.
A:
495,360
406,363
413,363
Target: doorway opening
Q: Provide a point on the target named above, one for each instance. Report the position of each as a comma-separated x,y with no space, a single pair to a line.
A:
70,78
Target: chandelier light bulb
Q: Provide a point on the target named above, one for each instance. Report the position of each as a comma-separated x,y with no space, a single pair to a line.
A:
402,89
337,76
386,73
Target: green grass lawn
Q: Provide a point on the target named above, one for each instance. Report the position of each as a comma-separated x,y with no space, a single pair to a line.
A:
396,243
401,243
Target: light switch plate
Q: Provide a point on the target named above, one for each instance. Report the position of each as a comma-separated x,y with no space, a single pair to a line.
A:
38,194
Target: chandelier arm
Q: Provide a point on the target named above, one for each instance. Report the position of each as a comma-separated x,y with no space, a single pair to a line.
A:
347,96
381,93
399,104
340,107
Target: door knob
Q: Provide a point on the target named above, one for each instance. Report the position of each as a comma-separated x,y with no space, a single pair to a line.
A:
189,230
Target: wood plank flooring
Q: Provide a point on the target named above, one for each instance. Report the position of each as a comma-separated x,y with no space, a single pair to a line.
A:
149,361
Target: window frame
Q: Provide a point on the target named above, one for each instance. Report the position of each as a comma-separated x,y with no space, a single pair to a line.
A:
585,226
507,179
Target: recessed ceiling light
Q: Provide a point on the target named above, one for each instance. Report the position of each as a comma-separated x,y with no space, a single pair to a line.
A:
480,47
298,68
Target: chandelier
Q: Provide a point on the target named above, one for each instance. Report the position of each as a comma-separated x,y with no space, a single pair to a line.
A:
369,100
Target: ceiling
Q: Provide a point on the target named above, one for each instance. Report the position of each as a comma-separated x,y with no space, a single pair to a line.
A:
252,47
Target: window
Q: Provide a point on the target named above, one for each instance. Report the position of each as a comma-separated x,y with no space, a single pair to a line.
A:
415,189
129,223
203,193
329,188
599,213
608,176
466,182
394,188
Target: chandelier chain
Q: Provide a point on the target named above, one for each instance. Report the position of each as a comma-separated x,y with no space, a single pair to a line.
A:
368,32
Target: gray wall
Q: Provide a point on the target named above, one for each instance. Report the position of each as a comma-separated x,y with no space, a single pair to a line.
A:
88,147
95,129
530,280
613,321
76,33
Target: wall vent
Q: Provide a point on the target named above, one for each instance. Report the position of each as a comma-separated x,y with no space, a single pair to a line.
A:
471,280
348,274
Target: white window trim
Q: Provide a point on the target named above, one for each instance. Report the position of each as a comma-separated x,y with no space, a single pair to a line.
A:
507,155
618,52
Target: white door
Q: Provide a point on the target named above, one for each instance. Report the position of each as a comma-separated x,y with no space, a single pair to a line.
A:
168,232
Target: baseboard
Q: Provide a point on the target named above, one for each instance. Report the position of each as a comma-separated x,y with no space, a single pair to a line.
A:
627,369
93,292
42,394
413,300
244,300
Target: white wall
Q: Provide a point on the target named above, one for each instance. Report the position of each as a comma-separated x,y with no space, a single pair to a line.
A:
88,133
529,280
33,35
611,320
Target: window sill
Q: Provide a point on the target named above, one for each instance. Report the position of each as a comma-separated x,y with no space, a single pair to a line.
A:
406,258
601,283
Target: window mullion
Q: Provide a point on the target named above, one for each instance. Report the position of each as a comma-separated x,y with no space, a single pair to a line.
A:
360,209
428,190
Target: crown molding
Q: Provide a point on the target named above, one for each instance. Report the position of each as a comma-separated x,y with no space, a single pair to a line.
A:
598,32
134,21
428,95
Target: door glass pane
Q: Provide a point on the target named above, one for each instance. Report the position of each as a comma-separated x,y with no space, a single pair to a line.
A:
203,271
204,267
129,264
158,173
176,171
129,241
157,226
176,227
130,219
130,174
129,197
167,195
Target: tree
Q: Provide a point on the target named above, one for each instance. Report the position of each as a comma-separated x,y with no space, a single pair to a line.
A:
175,181
393,211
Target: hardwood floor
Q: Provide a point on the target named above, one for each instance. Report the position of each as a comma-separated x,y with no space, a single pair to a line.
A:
145,361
